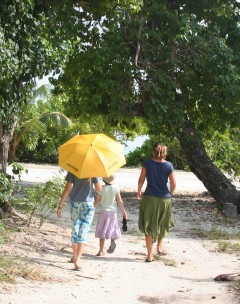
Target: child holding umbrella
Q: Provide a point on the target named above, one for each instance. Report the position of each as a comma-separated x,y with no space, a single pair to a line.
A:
81,193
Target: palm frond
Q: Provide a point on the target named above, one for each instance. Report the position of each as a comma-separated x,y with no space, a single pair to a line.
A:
57,119
32,125
42,91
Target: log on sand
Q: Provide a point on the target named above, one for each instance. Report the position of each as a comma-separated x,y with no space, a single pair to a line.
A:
228,277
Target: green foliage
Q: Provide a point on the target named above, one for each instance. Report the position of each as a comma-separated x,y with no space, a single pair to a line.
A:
224,150
34,40
236,286
9,185
229,247
6,187
18,169
40,144
167,63
42,128
136,157
6,264
11,267
1,231
41,200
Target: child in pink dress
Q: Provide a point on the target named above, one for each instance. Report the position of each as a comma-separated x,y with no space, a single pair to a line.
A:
107,224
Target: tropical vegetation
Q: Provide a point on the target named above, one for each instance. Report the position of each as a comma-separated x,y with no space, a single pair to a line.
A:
169,69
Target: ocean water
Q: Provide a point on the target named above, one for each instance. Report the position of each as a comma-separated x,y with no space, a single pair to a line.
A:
132,145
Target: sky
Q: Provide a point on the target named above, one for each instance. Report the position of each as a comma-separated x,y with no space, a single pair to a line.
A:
44,80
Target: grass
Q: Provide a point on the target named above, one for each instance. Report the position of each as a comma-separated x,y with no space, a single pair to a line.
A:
215,234
2,229
166,261
236,286
6,265
169,262
229,247
149,300
11,267
227,242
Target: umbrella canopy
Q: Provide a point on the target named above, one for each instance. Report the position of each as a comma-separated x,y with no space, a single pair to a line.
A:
91,155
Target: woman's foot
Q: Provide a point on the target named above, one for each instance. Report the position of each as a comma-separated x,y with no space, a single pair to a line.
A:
100,253
149,258
112,247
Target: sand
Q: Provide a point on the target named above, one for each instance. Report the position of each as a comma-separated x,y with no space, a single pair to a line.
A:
185,275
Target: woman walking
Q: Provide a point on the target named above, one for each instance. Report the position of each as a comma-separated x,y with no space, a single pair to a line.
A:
155,214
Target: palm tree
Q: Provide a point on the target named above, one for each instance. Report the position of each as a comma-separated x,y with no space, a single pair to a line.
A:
29,130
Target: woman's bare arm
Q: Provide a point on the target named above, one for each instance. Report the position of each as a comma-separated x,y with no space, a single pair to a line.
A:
172,180
141,182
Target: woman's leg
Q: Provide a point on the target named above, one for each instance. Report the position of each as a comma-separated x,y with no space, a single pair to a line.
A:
149,244
160,245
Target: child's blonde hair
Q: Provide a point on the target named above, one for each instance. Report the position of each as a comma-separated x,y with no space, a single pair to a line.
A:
159,151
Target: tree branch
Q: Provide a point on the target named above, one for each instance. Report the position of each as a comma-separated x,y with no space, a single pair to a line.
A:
139,38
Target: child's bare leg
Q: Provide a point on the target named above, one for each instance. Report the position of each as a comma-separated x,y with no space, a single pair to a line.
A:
112,246
80,248
74,249
101,247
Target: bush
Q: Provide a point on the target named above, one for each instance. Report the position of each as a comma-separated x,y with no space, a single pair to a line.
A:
41,200
224,150
8,186
136,157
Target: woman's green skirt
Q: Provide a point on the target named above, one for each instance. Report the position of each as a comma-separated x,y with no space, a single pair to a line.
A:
155,216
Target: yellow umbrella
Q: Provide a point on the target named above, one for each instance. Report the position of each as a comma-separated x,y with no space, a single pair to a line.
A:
91,155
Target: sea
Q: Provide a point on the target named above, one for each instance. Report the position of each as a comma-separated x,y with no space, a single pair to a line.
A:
131,145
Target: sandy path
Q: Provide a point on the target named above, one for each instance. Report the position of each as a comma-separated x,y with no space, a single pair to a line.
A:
126,178
184,276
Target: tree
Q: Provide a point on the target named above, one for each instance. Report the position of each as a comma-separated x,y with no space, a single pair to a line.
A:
176,65
33,42
41,119
36,38
31,130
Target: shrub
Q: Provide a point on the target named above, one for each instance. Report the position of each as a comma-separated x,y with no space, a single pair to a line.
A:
41,200
136,157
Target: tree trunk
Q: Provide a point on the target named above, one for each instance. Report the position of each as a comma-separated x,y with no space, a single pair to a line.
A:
4,148
13,148
219,186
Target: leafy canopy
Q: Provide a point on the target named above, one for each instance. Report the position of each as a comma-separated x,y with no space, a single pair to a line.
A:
170,62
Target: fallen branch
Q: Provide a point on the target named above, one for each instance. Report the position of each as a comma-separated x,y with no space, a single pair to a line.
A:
228,277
